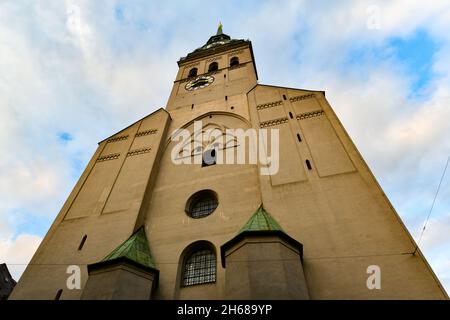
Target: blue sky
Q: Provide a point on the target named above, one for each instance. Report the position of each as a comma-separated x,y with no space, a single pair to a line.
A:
412,53
74,72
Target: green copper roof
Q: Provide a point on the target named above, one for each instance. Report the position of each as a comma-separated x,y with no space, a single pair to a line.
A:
261,220
214,42
262,224
135,248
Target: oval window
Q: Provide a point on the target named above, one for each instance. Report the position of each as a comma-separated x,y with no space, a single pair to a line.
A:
202,204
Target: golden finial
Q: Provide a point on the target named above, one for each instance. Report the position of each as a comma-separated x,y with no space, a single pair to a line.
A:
219,29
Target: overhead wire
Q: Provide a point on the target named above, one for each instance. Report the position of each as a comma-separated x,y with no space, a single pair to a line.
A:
432,206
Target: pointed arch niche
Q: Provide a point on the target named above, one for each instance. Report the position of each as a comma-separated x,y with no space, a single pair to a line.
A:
214,135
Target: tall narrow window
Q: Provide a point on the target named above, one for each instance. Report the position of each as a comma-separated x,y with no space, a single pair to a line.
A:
199,267
284,97
308,164
82,243
290,115
58,294
299,138
234,61
214,66
193,72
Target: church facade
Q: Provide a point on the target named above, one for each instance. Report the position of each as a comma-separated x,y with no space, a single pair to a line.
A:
146,222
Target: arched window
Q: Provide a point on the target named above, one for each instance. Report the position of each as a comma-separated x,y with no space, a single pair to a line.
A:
193,72
199,265
234,61
214,66
201,204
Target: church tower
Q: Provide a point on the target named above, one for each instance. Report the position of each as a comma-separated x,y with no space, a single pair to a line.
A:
150,220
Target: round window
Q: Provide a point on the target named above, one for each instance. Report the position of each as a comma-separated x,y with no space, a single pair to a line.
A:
202,204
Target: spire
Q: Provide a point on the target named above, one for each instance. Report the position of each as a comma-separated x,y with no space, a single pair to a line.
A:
216,41
219,29
261,220
260,224
134,248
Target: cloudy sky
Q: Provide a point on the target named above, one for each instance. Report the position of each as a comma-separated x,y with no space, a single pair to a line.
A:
74,72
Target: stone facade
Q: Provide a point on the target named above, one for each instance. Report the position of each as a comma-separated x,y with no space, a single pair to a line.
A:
324,196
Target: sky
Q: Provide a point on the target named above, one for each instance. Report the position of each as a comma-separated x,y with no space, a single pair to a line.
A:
74,72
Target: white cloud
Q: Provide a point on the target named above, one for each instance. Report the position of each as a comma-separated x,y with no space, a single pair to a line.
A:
74,67
440,235
442,269
17,253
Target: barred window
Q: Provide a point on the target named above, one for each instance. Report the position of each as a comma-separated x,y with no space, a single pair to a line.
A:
200,267
203,207
202,204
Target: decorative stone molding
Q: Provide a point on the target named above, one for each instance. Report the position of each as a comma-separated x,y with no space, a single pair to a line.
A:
233,53
211,73
125,137
303,97
138,151
240,65
199,75
214,59
192,64
311,114
146,132
271,123
269,105
112,156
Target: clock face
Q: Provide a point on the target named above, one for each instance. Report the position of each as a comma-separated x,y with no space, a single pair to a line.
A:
199,82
